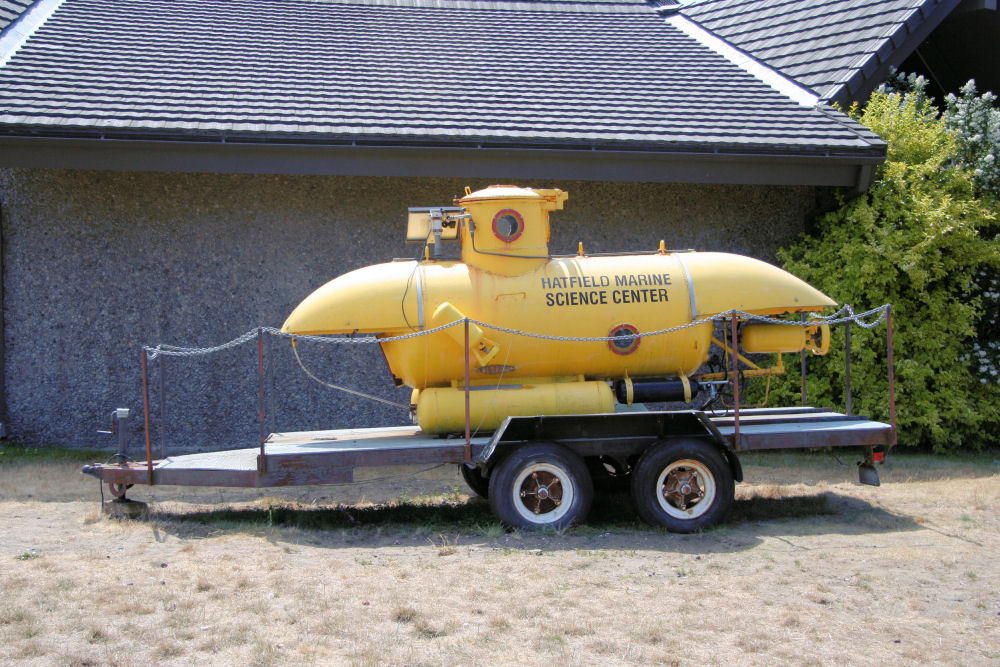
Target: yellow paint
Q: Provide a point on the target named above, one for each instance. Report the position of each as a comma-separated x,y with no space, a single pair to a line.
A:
442,409
724,282
507,278
482,347
761,338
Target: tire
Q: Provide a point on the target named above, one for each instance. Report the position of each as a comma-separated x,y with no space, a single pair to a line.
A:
473,477
541,486
682,485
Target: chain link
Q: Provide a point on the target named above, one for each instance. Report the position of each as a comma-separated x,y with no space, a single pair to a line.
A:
845,314
175,351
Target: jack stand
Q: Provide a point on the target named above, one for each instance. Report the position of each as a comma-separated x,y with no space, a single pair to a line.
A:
867,474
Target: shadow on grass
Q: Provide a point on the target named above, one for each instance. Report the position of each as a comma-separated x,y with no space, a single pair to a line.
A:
818,513
752,518
471,516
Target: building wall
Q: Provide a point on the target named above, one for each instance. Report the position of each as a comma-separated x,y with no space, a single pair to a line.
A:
97,264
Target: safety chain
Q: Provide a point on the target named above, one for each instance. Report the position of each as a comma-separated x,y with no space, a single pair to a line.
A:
845,314
883,312
174,351
830,319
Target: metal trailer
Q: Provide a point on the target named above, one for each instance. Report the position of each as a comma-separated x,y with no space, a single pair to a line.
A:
539,471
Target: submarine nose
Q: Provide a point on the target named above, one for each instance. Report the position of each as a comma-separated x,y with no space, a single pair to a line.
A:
370,299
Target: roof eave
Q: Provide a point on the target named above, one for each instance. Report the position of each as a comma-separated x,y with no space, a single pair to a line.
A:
722,165
865,78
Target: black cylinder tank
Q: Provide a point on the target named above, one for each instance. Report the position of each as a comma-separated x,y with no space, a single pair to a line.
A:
654,391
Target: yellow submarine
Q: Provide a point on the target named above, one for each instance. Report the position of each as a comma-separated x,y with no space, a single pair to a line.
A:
506,277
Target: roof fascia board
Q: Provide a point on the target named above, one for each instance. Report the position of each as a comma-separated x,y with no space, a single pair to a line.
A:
864,77
568,6
621,166
18,32
771,77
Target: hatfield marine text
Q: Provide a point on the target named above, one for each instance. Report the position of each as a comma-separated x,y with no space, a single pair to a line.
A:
595,290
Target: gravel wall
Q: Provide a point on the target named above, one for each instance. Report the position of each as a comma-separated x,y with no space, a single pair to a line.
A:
98,263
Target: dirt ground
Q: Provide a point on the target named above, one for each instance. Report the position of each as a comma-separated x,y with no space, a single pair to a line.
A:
906,573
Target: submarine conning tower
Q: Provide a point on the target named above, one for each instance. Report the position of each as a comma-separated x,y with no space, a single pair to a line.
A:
508,228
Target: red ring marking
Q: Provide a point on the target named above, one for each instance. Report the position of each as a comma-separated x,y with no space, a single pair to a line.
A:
520,225
616,331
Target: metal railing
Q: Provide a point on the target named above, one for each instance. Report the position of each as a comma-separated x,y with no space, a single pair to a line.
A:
731,318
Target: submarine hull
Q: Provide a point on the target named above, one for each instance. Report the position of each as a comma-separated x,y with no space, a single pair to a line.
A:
577,297
531,309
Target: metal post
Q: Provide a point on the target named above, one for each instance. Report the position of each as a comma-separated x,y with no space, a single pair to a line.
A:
271,412
145,412
892,372
736,388
802,365
847,364
120,424
260,389
163,407
468,425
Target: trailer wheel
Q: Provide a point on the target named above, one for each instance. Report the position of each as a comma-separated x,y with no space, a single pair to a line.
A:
541,486
683,485
474,478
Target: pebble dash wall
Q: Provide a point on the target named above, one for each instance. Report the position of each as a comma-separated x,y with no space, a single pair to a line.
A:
98,263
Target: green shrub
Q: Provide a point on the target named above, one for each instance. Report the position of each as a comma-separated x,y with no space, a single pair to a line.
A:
974,119
914,239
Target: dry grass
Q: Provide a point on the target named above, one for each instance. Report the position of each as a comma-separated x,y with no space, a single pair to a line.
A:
813,569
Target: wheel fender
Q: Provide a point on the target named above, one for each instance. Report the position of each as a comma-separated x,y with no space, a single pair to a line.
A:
733,461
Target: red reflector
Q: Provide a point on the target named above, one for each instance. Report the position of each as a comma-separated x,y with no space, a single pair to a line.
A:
878,457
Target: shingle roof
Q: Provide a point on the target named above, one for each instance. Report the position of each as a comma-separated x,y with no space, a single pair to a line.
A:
582,74
840,49
10,10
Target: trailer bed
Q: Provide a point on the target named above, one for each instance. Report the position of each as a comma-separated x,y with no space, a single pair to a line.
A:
295,459
331,457
782,428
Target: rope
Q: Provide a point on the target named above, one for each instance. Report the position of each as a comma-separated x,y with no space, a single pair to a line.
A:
295,350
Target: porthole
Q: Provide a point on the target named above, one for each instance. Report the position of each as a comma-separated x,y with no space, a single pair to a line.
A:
508,225
624,339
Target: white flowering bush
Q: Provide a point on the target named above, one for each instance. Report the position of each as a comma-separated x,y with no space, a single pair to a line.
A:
985,351
975,121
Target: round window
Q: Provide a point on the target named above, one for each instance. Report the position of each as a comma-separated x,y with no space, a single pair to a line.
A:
624,339
508,225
